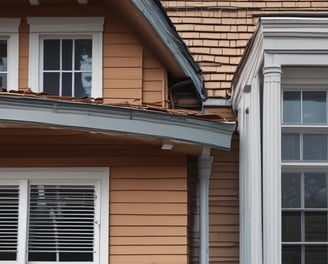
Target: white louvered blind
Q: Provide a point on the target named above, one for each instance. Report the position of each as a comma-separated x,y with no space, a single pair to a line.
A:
61,223
9,206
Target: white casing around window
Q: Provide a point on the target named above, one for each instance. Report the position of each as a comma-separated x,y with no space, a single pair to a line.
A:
64,26
97,176
9,28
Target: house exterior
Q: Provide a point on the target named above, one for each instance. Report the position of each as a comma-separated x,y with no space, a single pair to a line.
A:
106,150
267,59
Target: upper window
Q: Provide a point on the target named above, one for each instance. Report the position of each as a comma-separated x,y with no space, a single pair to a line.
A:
9,53
66,56
54,216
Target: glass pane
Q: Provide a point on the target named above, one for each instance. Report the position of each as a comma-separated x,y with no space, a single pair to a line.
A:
314,147
314,107
67,54
51,83
67,84
290,146
316,255
315,226
291,254
83,55
292,107
315,190
82,85
3,80
291,190
3,55
291,226
51,54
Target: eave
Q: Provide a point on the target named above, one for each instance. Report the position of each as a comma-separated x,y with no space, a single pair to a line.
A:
122,120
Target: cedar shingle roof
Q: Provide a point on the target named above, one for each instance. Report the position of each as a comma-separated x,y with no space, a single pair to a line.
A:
217,32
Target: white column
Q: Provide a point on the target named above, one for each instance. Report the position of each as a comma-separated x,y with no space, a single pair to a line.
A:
271,165
204,172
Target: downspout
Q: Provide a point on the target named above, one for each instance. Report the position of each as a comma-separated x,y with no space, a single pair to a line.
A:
204,171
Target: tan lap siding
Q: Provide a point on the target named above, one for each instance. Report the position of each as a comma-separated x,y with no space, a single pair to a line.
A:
224,206
154,81
148,214
23,56
123,55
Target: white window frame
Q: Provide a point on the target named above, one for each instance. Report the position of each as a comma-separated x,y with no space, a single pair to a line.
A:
41,27
9,28
97,176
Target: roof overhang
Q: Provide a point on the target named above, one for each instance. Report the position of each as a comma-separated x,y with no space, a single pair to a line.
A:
123,120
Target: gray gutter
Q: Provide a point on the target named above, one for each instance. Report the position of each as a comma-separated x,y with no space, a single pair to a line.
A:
156,15
124,120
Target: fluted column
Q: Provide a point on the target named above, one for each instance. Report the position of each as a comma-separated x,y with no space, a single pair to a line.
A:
272,165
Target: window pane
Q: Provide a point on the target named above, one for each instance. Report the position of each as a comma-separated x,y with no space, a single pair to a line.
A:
292,107
3,55
314,107
291,226
51,54
314,147
316,255
315,190
82,85
315,226
51,83
291,254
3,80
61,222
83,54
291,190
67,84
290,146
67,55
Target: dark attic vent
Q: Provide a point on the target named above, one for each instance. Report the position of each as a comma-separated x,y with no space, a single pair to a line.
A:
183,95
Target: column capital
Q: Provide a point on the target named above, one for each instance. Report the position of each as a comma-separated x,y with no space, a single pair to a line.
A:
272,69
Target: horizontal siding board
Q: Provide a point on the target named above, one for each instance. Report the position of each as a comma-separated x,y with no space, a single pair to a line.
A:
123,73
149,241
147,196
148,231
149,184
148,208
154,250
148,220
149,258
114,62
147,172
119,38
123,50
123,87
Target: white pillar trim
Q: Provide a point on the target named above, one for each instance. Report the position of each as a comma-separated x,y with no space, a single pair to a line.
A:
204,171
272,165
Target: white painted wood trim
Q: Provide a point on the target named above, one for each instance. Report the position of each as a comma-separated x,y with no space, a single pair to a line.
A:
272,165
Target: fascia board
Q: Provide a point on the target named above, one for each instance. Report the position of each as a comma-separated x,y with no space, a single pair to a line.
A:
173,42
91,117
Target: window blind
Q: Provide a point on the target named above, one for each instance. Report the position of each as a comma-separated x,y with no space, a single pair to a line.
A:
61,223
9,205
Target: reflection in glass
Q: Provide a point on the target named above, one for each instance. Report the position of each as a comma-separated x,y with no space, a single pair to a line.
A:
83,62
314,147
290,146
316,255
315,226
291,190
292,107
314,107
51,56
3,63
291,254
315,190
291,226
51,82
67,54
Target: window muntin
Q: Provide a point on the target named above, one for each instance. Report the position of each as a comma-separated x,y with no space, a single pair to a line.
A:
304,189
67,66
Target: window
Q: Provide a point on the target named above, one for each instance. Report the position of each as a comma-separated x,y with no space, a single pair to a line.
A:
66,56
9,53
304,177
55,216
